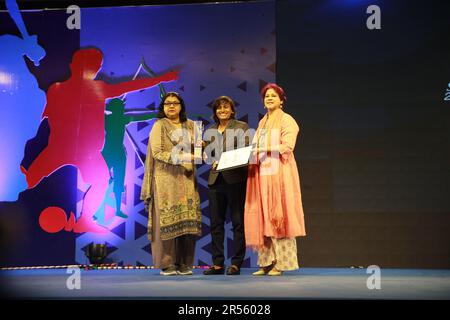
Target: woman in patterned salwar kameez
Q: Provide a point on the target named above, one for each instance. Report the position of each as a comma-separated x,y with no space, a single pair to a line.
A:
169,189
273,207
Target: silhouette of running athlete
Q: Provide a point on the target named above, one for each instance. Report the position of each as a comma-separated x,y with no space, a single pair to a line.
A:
75,110
114,151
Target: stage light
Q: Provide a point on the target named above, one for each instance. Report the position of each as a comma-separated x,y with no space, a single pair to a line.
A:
96,253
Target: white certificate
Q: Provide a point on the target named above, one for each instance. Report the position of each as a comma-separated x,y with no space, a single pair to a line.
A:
234,158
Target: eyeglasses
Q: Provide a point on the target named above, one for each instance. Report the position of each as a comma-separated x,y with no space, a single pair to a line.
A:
168,104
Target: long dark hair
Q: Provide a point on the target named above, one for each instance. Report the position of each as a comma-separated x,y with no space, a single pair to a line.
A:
161,114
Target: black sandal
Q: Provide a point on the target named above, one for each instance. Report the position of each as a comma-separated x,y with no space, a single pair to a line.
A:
213,271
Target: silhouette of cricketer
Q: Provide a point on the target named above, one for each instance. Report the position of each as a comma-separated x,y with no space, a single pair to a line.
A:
114,152
75,110
22,102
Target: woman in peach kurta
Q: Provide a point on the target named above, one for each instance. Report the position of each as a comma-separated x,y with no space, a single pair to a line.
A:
273,207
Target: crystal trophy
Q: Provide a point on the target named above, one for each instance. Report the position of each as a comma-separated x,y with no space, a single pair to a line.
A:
198,141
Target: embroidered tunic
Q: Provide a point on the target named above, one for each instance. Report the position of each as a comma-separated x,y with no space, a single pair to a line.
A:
178,202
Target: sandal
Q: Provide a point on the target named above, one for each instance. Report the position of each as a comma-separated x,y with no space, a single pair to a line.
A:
275,272
263,270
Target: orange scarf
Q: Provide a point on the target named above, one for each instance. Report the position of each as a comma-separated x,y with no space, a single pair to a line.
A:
254,218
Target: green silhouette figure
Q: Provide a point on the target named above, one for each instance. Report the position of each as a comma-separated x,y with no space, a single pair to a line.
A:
113,151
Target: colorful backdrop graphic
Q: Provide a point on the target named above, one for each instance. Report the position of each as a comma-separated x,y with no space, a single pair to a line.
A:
22,102
372,105
213,58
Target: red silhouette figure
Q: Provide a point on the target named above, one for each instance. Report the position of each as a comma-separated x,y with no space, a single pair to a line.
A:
75,111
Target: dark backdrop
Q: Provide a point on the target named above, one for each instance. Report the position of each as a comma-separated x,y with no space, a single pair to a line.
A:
373,151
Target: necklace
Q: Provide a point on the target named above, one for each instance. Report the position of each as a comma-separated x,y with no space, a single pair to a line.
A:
174,122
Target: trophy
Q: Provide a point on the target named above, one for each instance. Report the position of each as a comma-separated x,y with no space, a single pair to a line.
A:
198,141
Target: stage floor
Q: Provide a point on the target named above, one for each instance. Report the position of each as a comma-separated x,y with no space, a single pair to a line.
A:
306,283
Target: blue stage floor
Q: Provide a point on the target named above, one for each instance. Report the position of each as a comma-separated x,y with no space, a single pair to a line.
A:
306,283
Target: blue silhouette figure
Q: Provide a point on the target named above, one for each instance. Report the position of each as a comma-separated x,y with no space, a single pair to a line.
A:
21,103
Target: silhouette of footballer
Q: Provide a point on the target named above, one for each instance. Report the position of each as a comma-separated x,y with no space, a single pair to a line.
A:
75,110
